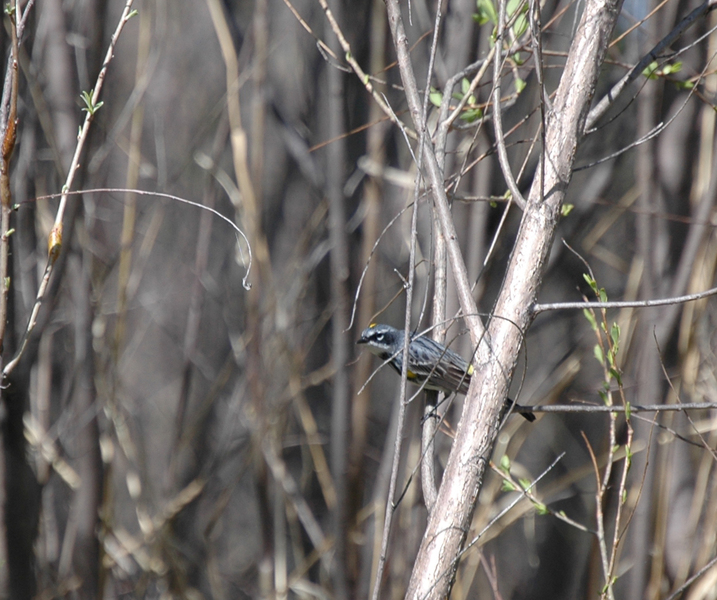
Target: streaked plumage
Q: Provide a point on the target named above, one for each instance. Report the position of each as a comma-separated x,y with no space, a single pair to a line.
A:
441,368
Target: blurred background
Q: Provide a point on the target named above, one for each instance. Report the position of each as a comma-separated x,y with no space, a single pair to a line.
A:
170,433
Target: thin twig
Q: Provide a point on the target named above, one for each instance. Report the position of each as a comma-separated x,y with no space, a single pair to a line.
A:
373,251
498,118
528,494
599,493
398,441
444,119
430,427
537,43
363,77
513,503
590,408
215,212
608,100
48,269
23,21
705,445
692,579
435,176
54,243
538,308
9,137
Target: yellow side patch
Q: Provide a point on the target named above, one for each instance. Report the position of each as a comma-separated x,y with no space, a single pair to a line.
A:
411,375
470,370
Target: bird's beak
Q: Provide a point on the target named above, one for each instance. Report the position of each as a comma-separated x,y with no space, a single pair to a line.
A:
362,340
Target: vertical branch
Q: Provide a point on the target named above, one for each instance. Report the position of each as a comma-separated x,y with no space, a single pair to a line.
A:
8,145
258,105
360,403
427,437
336,162
88,498
430,415
370,230
516,196
131,179
21,489
650,240
248,211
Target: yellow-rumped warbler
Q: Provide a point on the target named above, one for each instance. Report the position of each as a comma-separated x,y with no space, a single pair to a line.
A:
428,361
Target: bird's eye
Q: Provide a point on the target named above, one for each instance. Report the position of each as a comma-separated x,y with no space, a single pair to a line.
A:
379,337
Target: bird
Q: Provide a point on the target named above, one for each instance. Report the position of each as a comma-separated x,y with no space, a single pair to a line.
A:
429,363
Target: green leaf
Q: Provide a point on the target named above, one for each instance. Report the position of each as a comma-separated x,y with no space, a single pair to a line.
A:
89,106
508,486
615,335
472,115
590,281
603,295
597,351
435,97
628,412
566,209
486,12
673,68
519,85
505,463
521,23
524,483
617,375
520,26
465,85
591,318
541,509
650,71
511,6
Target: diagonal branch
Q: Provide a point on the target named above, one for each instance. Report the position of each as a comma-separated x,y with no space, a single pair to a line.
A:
609,99
54,242
434,175
435,565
